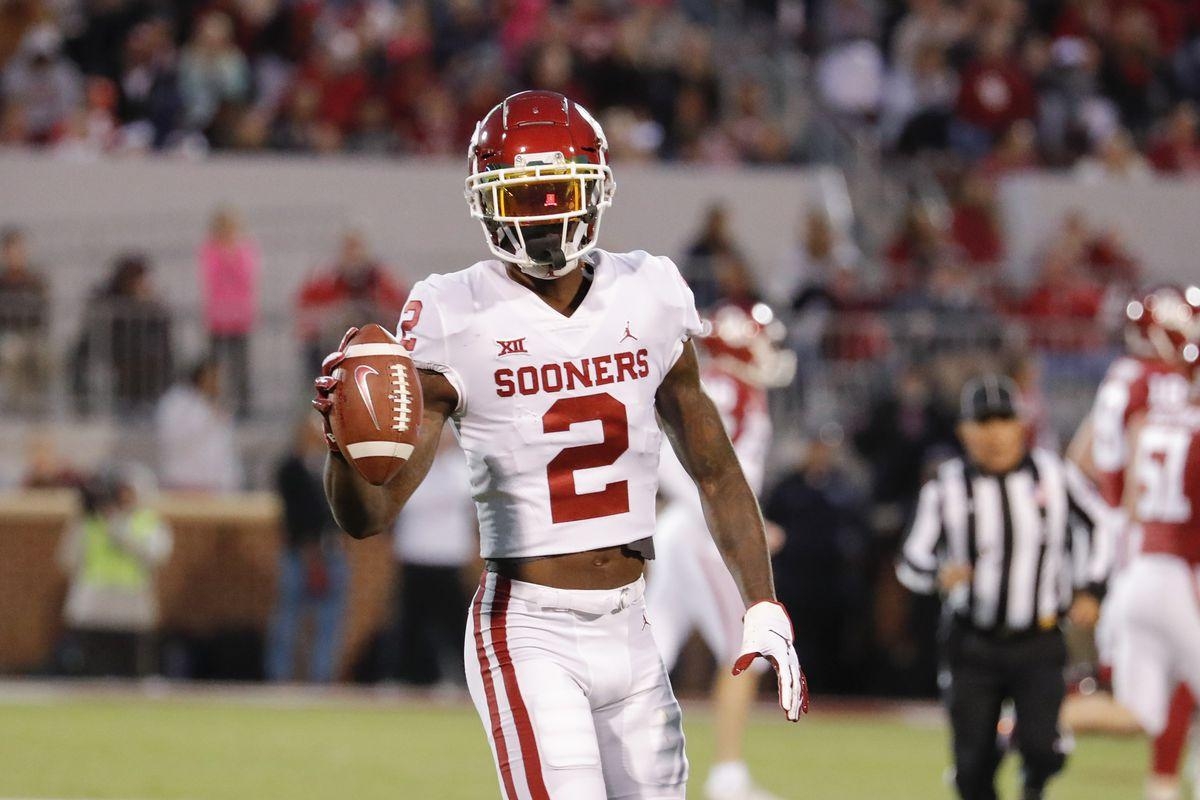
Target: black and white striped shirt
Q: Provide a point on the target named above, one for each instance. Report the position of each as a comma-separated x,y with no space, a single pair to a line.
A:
1033,537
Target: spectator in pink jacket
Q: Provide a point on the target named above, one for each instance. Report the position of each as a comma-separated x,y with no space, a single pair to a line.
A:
229,266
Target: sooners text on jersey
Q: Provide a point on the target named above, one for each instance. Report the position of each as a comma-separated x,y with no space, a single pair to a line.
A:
556,414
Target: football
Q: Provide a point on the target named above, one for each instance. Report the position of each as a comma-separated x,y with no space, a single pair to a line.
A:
376,415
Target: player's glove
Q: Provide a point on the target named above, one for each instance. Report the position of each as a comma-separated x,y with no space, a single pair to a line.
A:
767,633
326,383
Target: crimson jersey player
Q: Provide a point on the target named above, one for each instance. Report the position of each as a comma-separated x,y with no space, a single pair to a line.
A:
1153,379
1157,646
555,361
1153,374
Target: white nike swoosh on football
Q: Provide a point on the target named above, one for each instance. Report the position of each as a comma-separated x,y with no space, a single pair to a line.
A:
361,373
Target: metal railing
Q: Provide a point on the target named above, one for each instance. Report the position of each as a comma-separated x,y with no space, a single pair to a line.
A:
125,354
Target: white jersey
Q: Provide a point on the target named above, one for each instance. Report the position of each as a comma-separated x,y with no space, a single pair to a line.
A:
556,414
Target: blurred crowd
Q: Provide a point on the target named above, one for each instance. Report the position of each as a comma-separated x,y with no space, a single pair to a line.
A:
982,88
1109,86
944,262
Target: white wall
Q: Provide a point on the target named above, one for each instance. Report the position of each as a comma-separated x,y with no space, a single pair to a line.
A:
81,214
1159,220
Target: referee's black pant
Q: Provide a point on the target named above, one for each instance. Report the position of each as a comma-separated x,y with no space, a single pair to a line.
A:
984,671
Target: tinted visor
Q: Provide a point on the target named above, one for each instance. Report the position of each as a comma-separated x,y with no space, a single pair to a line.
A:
537,199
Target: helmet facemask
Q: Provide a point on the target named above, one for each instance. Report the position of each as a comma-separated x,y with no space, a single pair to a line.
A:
543,213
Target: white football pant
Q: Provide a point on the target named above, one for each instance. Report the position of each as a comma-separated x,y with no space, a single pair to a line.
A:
1112,618
1157,644
573,694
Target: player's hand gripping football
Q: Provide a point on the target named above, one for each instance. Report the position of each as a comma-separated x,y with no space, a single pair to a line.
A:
767,633
326,384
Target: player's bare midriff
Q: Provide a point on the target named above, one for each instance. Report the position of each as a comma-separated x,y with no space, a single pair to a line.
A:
606,568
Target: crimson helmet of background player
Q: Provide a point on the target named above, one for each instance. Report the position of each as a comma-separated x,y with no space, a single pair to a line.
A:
747,344
1164,323
538,181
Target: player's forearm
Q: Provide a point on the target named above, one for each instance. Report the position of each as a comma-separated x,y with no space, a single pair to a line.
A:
737,526
359,508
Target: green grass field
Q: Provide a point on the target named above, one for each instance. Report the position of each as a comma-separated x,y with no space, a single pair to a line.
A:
259,746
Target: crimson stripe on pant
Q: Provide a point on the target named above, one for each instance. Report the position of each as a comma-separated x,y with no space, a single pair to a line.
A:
489,691
529,749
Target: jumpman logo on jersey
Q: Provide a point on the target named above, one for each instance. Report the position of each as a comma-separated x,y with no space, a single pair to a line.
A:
645,621
628,334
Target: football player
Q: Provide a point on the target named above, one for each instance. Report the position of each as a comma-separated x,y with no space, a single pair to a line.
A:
1152,375
1156,647
554,362
689,587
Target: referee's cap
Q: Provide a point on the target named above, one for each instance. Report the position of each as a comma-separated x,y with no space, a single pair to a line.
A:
989,397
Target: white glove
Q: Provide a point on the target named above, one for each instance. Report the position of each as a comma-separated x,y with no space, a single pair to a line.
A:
767,633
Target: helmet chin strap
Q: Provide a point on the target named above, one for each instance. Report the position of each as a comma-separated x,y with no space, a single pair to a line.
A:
547,272
547,250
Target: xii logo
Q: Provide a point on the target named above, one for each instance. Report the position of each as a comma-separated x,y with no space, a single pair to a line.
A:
511,346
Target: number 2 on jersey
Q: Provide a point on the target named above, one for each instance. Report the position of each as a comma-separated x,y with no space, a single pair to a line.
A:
408,320
566,503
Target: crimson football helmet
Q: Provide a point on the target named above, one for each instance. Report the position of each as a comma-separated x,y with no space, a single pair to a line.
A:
1164,323
746,344
539,182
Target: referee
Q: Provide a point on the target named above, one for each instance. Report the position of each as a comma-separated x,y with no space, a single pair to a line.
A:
1015,540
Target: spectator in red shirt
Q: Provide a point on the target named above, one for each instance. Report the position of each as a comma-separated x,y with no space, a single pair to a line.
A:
1175,150
356,289
434,123
1082,19
916,245
995,92
1110,261
337,73
1065,300
974,224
